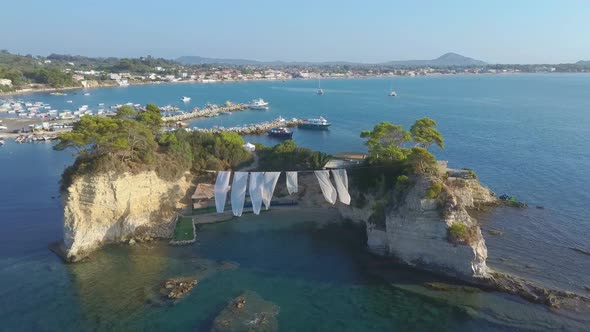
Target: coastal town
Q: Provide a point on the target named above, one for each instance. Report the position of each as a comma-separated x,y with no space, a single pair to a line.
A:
22,74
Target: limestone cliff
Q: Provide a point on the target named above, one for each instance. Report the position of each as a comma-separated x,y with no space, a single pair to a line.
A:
415,229
107,208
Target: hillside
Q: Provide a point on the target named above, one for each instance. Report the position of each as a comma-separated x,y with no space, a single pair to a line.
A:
445,60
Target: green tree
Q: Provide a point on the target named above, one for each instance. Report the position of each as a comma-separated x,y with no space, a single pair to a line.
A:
424,133
151,117
126,112
421,161
386,142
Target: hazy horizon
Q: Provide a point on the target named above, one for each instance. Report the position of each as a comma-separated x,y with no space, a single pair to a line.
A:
527,31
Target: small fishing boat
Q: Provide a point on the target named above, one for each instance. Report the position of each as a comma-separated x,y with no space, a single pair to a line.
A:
393,94
280,132
185,99
319,123
87,94
258,104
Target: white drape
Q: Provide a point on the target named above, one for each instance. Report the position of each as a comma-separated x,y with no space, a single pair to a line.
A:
327,187
270,182
255,190
341,183
220,189
238,192
292,185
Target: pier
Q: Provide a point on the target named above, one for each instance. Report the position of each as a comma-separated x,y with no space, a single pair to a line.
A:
255,129
209,111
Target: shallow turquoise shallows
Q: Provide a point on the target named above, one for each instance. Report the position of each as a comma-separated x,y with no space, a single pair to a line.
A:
525,135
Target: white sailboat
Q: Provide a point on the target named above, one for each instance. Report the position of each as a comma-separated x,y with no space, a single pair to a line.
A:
320,91
392,93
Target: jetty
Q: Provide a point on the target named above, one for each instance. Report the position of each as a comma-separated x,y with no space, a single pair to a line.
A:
253,129
208,111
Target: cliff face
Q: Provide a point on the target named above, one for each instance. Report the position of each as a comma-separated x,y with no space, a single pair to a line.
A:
415,229
108,208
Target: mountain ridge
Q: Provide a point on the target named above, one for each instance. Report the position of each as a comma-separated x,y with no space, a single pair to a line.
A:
447,59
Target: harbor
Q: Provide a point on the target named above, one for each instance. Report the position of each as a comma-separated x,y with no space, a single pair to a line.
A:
254,129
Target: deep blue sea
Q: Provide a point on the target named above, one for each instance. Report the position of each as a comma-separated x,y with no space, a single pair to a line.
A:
524,135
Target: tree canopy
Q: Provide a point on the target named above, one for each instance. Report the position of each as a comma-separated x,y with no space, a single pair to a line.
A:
424,133
390,144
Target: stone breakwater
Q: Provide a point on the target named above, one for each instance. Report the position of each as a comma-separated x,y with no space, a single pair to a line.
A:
209,111
255,129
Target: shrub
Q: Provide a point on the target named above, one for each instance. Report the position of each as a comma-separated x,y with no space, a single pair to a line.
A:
402,182
434,190
459,233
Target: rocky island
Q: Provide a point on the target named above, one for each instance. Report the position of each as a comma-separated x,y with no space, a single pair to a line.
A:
130,180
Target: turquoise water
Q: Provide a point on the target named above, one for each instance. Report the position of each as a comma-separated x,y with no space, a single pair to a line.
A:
525,135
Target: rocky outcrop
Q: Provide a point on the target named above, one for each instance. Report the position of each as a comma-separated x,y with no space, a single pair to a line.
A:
109,208
415,229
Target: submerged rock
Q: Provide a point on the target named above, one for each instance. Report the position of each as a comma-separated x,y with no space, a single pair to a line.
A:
177,288
247,312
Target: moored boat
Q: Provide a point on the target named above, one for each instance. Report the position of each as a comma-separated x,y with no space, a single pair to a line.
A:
280,132
186,99
258,104
319,123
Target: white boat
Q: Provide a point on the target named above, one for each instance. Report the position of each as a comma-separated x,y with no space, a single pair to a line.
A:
69,101
393,94
258,104
87,94
319,123
3,127
1,141
320,91
185,99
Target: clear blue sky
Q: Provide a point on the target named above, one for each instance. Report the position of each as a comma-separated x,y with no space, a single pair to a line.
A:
502,31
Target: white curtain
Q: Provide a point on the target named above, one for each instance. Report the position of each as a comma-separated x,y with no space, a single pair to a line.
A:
270,182
341,182
327,187
221,188
238,192
292,185
255,190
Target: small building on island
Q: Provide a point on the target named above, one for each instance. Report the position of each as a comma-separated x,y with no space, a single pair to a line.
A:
204,197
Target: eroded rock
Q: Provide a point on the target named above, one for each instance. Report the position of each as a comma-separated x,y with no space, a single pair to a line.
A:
177,288
247,312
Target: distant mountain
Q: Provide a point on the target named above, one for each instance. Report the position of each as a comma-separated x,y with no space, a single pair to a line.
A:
446,60
583,62
198,60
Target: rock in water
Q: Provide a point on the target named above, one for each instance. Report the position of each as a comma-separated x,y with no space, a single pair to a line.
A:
247,312
177,288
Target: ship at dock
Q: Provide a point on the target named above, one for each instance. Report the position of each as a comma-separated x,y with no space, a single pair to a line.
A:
320,124
258,104
280,132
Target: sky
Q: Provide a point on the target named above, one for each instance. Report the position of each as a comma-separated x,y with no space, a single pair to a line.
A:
496,31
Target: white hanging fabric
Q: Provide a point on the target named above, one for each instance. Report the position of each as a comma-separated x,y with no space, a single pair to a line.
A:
255,190
270,182
220,189
238,192
341,182
292,185
327,187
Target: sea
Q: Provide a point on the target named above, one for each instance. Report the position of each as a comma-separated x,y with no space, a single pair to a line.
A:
525,135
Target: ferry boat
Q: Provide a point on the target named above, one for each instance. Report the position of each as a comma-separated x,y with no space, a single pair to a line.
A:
258,104
319,123
280,132
186,99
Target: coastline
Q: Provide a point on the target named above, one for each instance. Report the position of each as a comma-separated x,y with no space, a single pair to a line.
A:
102,85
